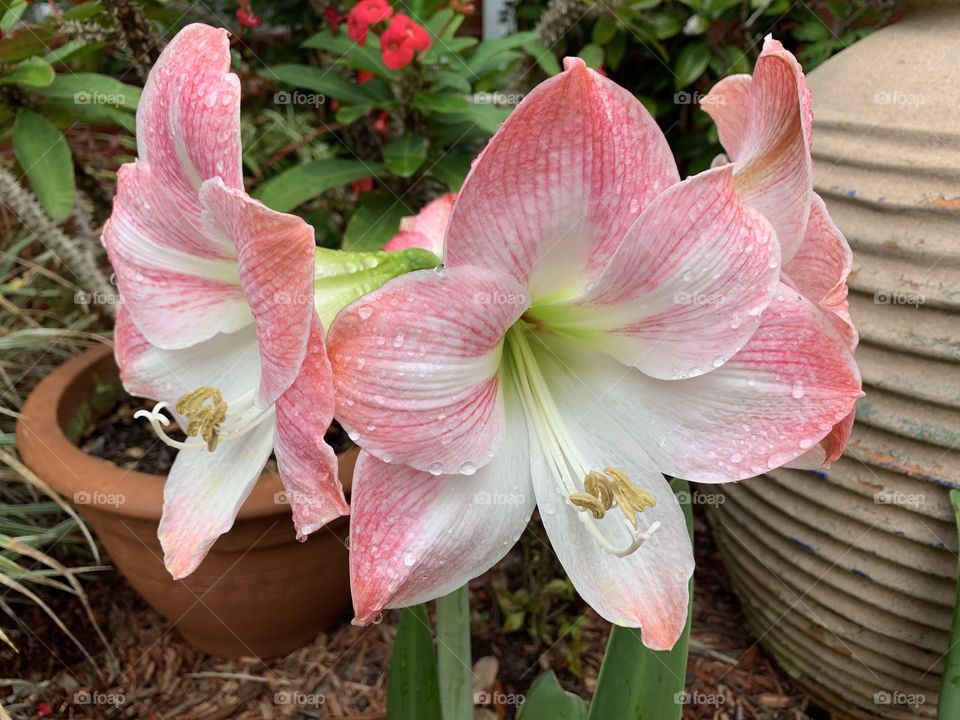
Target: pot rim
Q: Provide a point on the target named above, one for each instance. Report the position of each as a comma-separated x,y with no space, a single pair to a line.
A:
45,448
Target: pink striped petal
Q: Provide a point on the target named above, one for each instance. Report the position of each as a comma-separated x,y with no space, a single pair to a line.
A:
188,120
203,495
177,295
685,290
228,362
275,254
828,450
554,192
415,366
415,537
308,466
772,152
726,103
426,229
821,267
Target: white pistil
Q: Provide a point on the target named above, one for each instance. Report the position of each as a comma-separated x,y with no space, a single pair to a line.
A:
563,455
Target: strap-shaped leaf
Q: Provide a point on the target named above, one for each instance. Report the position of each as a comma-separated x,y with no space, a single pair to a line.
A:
548,701
301,183
413,692
949,704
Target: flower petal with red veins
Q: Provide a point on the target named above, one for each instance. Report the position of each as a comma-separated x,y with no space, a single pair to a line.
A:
772,158
426,229
416,367
821,267
308,466
685,290
554,192
203,495
415,537
726,103
188,120
828,450
275,255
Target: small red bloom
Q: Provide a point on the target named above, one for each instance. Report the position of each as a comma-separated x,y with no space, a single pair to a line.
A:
248,18
381,122
44,709
334,104
364,14
401,40
364,76
333,19
362,185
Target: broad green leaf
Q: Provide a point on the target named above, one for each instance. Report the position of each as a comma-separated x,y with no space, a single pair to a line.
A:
488,118
604,29
374,222
454,666
592,55
44,155
665,25
64,51
300,183
948,707
412,690
616,49
452,80
66,113
451,170
690,64
92,89
329,83
545,58
12,15
405,155
31,73
362,57
441,102
348,114
445,20
548,701
492,54
636,682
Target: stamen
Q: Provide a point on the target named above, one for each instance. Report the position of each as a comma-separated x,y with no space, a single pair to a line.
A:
603,491
205,411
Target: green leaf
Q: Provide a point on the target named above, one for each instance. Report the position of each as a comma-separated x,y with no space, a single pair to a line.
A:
329,83
666,25
592,55
690,64
493,54
300,183
64,51
374,222
31,73
361,57
454,666
487,117
604,29
616,49
548,701
949,703
412,691
451,80
405,155
545,58
92,89
451,170
44,155
440,102
348,114
811,31
636,682
12,16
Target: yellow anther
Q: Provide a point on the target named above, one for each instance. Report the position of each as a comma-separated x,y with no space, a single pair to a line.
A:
205,411
613,487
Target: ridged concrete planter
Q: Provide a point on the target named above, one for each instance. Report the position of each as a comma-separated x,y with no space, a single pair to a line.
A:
849,578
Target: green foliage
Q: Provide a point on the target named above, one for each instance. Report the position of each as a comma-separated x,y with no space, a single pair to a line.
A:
548,701
413,692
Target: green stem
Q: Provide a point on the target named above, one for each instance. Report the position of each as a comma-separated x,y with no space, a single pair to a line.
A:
453,655
949,705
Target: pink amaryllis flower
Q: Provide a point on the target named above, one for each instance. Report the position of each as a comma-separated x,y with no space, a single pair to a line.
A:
764,123
597,324
218,317
425,229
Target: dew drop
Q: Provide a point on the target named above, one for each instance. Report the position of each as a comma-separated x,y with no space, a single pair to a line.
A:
436,469
409,559
719,360
798,390
365,312
468,468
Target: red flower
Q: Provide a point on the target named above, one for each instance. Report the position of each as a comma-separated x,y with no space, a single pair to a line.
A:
334,104
248,18
364,76
381,122
364,14
401,40
44,709
333,19
362,185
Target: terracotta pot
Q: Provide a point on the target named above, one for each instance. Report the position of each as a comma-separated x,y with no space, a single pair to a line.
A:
258,593
849,576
